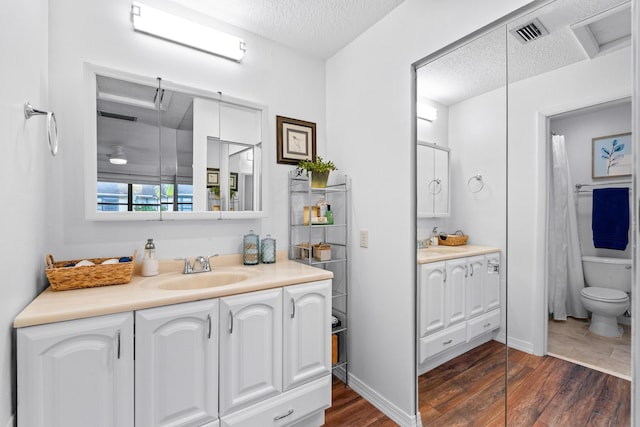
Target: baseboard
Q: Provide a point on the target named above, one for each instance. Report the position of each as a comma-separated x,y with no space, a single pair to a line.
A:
521,345
386,407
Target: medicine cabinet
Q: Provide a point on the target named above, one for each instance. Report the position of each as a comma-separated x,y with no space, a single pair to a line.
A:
433,198
160,150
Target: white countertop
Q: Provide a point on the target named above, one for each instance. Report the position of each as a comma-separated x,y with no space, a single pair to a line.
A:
443,253
141,292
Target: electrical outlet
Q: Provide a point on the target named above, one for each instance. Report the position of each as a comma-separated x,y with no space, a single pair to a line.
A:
364,239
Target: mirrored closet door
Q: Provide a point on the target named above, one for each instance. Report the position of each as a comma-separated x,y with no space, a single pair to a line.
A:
461,290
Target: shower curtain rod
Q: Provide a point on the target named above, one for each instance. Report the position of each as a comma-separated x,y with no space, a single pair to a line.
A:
579,186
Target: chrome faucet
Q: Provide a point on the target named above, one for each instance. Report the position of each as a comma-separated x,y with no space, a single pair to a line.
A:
200,264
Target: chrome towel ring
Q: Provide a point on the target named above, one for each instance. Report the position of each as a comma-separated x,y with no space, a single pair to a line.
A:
52,125
477,186
437,187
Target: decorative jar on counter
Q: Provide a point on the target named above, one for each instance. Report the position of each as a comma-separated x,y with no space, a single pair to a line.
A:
268,250
250,245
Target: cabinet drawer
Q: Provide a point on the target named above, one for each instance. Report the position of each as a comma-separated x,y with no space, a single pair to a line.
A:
284,409
434,344
486,322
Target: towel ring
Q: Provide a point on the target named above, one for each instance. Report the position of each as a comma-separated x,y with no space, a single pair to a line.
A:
478,187
436,187
52,125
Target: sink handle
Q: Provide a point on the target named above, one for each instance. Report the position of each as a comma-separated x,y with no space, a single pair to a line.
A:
208,262
187,266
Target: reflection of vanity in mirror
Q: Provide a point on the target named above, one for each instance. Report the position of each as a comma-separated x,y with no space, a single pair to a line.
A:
432,180
158,150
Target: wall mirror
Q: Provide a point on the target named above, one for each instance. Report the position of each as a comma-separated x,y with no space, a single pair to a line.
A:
160,150
432,180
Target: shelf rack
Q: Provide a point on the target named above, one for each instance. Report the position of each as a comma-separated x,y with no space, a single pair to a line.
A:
336,235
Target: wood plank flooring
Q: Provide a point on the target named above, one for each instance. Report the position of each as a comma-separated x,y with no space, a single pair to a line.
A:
469,391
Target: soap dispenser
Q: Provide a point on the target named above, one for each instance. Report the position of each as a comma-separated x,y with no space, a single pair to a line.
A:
433,241
149,261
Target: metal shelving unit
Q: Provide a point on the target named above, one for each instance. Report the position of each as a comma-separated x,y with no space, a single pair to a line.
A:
304,234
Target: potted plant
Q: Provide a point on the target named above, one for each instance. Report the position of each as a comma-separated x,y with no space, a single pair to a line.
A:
319,169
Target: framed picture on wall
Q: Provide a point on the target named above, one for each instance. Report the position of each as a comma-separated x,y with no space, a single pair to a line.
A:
295,140
611,156
213,177
233,181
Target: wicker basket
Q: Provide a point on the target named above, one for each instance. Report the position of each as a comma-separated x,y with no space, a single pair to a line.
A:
63,278
457,239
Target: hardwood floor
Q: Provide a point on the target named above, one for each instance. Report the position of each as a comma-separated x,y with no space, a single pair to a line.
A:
469,391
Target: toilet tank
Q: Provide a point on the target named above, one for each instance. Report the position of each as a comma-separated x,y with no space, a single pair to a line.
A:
612,273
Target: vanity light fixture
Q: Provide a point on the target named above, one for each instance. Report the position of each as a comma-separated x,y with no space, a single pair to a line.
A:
117,156
427,112
166,26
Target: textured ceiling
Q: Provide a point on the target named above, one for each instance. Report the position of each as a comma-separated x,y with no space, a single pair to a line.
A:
318,27
480,66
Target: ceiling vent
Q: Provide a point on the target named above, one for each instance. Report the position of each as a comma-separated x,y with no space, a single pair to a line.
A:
530,31
118,116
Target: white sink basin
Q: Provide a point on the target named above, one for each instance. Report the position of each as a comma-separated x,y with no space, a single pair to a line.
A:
183,282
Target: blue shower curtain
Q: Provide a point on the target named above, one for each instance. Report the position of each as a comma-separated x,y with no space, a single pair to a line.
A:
565,278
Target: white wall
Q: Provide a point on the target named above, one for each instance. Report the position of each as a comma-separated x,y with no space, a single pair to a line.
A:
24,172
100,32
579,129
578,85
369,132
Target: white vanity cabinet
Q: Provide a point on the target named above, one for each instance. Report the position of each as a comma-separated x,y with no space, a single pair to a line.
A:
307,333
250,348
459,301
77,373
176,365
260,358
275,359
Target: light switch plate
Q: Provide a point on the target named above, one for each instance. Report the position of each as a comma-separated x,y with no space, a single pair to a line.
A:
364,238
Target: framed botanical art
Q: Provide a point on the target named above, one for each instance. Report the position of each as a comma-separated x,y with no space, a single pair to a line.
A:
611,156
296,140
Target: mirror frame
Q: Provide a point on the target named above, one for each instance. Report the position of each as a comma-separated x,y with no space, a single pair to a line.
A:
447,150
90,152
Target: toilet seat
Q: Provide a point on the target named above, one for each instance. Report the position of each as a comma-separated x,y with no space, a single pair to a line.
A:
604,294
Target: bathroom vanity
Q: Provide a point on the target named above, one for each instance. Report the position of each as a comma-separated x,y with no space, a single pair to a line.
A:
170,351
458,301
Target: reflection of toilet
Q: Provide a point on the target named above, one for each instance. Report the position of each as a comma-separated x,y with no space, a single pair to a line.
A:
608,280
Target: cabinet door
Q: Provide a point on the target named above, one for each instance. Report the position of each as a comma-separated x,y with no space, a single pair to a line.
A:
492,282
307,332
177,364
250,348
77,373
475,286
432,297
441,175
457,272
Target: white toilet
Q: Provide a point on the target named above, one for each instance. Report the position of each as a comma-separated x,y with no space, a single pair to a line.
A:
608,280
